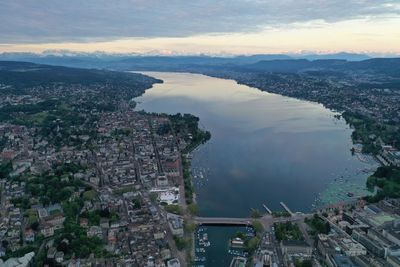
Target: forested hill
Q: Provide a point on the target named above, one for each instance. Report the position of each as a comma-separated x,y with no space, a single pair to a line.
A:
20,75
388,66
259,63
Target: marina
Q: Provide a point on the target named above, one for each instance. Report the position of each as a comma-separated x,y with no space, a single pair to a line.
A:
213,246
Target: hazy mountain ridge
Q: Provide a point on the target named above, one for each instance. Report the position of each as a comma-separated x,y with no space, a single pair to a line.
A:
389,66
96,59
262,63
25,74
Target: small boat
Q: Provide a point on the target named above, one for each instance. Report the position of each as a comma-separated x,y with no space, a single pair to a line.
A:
350,194
205,236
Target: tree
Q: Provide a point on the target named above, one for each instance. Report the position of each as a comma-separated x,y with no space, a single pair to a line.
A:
255,213
336,211
153,196
240,235
5,169
89,195
180,242
35,226
136,203
304,263
173,209
318,225
251,245
193,209
190,227
258,227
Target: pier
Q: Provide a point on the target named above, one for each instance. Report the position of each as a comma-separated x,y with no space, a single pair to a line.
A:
286,208
267,209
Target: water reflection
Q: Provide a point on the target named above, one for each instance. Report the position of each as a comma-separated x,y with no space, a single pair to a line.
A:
265,148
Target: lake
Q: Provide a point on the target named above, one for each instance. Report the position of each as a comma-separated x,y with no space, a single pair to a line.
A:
264,148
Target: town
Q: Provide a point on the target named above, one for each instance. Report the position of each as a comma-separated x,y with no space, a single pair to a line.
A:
88,180
346,234
229,133
88,187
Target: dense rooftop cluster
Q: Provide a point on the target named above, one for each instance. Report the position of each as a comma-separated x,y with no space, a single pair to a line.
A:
83,174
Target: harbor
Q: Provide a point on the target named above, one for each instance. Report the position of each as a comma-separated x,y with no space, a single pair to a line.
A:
216,246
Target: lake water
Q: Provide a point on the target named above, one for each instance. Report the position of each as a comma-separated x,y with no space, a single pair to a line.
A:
265,148
219,253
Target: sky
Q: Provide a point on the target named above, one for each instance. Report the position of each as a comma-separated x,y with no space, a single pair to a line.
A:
201,26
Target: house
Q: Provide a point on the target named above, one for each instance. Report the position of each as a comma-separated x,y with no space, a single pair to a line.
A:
24,261
173,263
159,235
392,232
393,260
59,256
29,235
162,181
56,220
95,231
51,253
165,254
43,213
104,223
175,223
84,222
47,230
351,247
2,252
291,247
341,260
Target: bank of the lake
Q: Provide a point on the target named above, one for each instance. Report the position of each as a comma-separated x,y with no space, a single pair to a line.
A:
265,148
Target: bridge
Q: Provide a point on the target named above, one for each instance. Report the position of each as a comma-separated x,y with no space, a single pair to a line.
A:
223,221
267,220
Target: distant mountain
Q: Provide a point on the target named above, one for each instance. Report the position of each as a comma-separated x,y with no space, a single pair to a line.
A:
255,58
263,63
123,61
389,66
342,55
104,60
295,65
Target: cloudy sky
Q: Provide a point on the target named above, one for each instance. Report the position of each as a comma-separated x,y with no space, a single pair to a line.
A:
201,26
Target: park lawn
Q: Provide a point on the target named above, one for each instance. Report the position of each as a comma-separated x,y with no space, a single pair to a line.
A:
39,118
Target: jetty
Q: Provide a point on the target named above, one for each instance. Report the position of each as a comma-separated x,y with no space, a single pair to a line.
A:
267,209
286,208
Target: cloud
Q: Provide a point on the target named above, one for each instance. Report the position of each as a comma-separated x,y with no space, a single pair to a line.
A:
39,21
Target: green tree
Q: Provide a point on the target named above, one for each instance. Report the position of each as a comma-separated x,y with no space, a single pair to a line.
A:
258,227
153,196
193,209
255,213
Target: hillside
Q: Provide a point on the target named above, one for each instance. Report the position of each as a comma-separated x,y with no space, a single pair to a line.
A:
24,74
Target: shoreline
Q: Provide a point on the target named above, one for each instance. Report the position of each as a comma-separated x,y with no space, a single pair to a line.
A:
337,114
186,168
